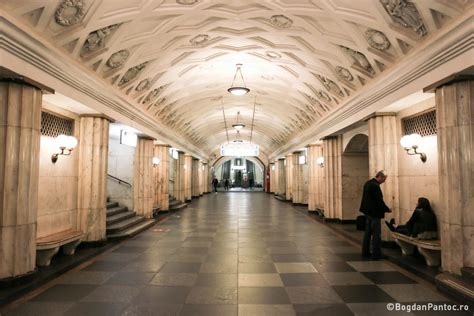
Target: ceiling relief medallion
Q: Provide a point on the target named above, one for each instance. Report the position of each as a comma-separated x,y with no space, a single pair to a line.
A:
186,2
323,95
144,84
96,40
153,94
344,74
377,40
359,59
117,59
281,21
70,12
132,73
199,39
330,85
405,14
273,55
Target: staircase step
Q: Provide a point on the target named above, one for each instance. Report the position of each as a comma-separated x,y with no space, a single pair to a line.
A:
119,217
468,273
132,230
112,204
456,287
116,210
178,206
126,223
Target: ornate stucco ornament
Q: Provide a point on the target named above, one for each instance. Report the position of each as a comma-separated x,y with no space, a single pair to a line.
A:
96,40
273,55
153,94
199,39
281,21
330,85
377,39
344,74
323,95
117,59
145,83
405,14
359,59
70,12
132,73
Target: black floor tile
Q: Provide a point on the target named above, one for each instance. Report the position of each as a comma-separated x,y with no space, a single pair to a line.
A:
264,295
388,277
178,267
257,268
362,294
303,279
95,309
162,295
208,310
105,266
131,278
322,310
332,266
64,293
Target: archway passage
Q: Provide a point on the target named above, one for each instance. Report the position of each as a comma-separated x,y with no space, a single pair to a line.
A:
355,171
240,174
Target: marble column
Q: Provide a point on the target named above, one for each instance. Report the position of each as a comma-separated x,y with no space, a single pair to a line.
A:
281,177
143,187
20,123
272,177
332,149
205,178
315,178
179,178
289,177
92,180
383,155
188,173
161,177
299,180
195,178
455,124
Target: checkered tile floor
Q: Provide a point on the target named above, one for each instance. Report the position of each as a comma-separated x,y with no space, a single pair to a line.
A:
231,254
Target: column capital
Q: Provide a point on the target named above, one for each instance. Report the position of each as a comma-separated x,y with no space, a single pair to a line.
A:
6,75
465,75
144,136
98,115
329,137
313,145
163,145
379,114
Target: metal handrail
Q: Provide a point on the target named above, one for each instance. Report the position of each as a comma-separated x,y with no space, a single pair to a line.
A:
119,180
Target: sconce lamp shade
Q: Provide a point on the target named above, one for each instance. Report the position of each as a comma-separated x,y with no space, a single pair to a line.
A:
410,141
237,89
320,161
405,141
273,167
66,142
156,161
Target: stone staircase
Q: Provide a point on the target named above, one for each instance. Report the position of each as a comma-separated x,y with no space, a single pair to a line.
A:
122,223
176,205
460,288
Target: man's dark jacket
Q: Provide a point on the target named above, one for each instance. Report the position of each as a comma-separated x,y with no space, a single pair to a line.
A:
372,200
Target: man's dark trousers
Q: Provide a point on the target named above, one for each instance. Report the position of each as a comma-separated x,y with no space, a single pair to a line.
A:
372,231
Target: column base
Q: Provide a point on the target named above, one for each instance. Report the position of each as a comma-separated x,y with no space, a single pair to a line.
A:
93,244
18,280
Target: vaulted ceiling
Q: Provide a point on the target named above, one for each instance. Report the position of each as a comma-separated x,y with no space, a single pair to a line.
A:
175,59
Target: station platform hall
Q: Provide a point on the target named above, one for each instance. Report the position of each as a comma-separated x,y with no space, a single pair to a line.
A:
213,157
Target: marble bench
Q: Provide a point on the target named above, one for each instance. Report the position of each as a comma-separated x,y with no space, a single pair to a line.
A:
429,249
48,246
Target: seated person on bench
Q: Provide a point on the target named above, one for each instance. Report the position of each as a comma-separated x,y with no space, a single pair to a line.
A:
422,223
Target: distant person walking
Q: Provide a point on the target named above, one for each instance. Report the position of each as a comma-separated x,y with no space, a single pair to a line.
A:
374,208
226,184
215,182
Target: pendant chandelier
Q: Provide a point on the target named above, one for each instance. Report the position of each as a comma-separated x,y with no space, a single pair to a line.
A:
238,139
238,90
238,126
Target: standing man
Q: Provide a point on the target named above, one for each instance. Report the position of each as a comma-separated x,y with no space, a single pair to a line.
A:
226,184
374,208
215,182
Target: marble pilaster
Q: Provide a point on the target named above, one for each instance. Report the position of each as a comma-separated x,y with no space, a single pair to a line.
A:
195,178
289,177
161,177
300,185
332,149
143,185
188,173
272,177
315,178
455,124
20,123
92,180
180,178
281,174
383,155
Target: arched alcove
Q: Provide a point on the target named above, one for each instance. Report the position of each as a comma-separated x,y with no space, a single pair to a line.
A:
355,172
240,171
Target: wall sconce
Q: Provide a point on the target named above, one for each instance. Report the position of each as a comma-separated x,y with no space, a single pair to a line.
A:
156,161
64,143
273,167
411,143
320,161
